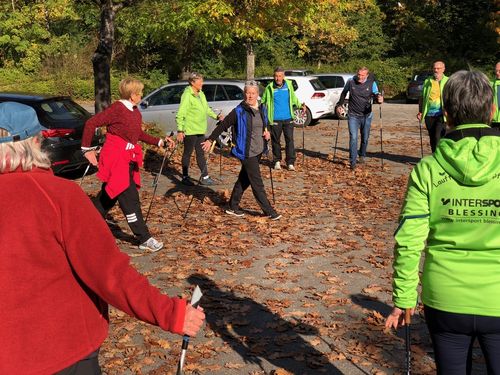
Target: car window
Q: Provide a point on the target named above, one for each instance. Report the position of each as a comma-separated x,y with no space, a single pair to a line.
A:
233,92
317,85
167,95
220,95
339,81
209,91
62,110
330,82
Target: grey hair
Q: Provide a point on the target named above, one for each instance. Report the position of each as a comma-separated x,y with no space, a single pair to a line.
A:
279,69
194,76
251,83
362,69
467,98
26,154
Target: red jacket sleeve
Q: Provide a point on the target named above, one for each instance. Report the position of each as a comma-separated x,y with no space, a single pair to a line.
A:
149,139
100,119
99,263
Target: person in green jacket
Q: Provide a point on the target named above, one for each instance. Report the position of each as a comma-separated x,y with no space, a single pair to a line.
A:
430,105
191,121
281,101
496,96
452,213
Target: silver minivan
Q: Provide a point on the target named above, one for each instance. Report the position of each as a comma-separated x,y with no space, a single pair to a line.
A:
161,106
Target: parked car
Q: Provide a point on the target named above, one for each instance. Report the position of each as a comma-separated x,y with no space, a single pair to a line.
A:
161,106
309,90
298,72
335,83
64,120
414,88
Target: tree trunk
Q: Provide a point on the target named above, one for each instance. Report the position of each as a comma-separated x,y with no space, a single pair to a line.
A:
101,60
186,52
250,62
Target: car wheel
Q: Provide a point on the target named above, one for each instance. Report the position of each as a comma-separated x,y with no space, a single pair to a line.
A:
345,111
301,118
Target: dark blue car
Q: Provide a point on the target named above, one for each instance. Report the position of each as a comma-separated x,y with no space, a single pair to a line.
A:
64,120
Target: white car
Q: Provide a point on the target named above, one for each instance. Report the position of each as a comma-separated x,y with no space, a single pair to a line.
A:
309,90
161,106
335,83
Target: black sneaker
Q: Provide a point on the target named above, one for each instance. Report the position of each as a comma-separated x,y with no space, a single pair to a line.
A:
361,160
186,180
275,216
353,167
237,212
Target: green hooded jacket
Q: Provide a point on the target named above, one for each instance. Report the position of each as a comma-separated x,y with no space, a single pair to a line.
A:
496,87
426,90
268,100
192,115
452,213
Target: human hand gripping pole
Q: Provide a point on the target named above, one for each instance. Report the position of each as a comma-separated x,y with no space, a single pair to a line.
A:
195,300
155,181
91,156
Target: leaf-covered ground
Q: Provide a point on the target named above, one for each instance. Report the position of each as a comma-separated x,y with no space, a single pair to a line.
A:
303,295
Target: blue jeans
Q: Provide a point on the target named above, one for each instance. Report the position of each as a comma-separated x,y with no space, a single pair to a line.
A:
357,123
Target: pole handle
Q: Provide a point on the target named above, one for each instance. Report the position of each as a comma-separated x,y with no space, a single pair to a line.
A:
408,316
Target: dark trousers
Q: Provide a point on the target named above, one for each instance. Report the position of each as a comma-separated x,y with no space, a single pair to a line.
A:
285,127
87,366
453,336
129,203
250,176
436,128
194,142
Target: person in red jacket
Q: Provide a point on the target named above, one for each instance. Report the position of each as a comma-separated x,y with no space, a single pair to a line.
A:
121,158
60,265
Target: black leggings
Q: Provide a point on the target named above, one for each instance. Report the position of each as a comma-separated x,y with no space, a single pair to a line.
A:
194,142
453,336
86,366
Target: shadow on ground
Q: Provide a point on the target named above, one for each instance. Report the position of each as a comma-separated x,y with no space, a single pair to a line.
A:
257,334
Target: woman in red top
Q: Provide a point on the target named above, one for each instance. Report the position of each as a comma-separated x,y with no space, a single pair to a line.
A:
60,265
121,158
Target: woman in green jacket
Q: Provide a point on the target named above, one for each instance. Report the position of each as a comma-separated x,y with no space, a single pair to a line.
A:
191,121
452,213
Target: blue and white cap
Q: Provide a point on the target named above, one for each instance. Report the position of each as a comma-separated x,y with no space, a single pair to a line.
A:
20,120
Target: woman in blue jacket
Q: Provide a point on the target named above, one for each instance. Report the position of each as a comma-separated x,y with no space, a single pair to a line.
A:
249,128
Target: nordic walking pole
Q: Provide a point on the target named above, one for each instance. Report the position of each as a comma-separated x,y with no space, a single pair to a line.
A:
195,300
157,177
421,141
84,174
270,171
303,143
408,340
336,139
97,149
199,180
381,138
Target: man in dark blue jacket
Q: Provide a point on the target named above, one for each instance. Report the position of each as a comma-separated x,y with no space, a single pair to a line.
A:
362,90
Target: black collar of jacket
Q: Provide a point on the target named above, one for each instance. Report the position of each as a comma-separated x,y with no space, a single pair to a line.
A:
477,133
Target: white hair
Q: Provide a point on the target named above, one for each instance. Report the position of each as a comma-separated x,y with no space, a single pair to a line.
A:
25,154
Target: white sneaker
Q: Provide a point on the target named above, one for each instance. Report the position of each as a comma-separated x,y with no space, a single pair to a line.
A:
291,167
277,165
152,245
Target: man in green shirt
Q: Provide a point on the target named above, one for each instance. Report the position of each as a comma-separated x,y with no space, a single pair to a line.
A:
430,105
